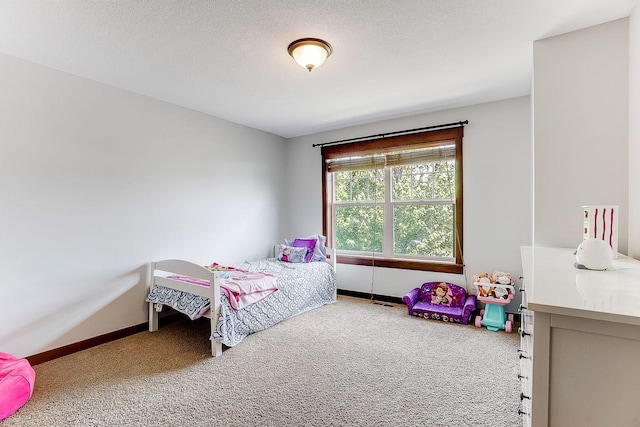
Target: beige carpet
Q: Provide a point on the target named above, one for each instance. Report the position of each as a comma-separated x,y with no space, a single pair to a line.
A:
352,363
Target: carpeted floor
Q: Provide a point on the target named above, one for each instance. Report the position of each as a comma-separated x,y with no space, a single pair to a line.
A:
352,363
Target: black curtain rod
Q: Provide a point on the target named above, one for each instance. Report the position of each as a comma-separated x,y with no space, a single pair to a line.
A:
407,131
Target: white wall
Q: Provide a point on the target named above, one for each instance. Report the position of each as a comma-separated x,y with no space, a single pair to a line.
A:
634,134
497,173
581,110
96,182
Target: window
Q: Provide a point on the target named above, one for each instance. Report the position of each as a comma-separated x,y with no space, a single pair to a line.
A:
396,202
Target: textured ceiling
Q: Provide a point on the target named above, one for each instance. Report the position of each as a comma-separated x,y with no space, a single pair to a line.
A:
229,58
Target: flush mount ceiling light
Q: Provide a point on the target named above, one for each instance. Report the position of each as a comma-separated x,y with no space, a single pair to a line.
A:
310,53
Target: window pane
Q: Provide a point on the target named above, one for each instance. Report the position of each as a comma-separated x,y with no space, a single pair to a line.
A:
444,180
426,181
424,230
359,228
360,185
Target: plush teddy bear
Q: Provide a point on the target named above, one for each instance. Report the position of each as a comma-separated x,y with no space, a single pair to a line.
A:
501,292
483,278
485,291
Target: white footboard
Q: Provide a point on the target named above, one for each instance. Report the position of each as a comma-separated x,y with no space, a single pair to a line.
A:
159,272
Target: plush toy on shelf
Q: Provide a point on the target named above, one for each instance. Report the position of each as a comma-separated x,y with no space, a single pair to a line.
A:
495,291
501,277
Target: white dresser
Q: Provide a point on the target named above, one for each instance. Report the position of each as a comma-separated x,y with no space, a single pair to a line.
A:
580,364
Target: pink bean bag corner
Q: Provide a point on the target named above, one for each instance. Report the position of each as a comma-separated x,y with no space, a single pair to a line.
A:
17,378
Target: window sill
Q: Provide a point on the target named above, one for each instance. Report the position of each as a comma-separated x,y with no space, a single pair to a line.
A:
439,267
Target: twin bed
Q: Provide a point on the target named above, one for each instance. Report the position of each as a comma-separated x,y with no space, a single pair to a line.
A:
199,291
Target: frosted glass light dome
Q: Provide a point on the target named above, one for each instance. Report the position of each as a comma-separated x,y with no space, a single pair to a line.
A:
594,254
310,53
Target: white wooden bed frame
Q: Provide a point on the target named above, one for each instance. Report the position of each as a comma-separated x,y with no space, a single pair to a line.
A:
161,269
186,268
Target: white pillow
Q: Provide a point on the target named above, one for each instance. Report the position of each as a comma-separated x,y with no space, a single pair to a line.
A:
291,254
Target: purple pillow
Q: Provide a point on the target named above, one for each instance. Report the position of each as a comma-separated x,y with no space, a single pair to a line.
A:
310,244
320,250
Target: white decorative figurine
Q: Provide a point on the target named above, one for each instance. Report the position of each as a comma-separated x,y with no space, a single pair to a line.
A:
594,254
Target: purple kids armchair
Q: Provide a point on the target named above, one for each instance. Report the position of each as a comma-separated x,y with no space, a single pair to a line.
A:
441,301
